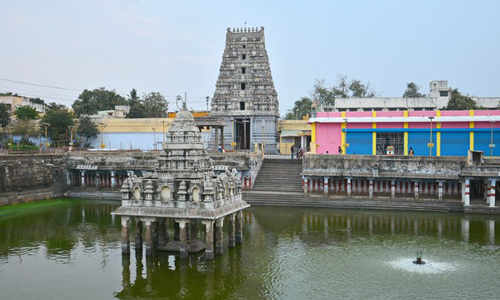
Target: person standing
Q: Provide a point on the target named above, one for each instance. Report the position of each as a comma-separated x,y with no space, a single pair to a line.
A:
291,150
411,152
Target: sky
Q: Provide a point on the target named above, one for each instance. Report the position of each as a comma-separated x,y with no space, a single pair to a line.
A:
176,47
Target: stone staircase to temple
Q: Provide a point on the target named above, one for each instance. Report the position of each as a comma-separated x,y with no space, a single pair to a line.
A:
278,180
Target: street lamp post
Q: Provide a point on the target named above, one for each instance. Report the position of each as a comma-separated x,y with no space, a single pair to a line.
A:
45,142
10,136
492,145
163,128
154,137
71,138
103,125
430,138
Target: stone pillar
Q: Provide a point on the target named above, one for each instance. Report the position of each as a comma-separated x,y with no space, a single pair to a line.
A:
113,180
349,188
467,192
193,234
83,178
222,136
440,190
138,233
325,186
125,235
176,231
416,190
393,189
149,236
68,177
231,230
216,138
182,237
239,227
161,233
219,236
98,180
493,183
165,230
306,186
370,188
209,239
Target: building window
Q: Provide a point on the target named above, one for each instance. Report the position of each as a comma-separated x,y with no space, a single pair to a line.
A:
443,93
367,109
242,105
244,46
243,70
243,56
242,85
393,109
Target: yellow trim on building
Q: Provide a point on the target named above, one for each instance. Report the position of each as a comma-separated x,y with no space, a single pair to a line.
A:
313,132
438,135
374,135
471,134
342,133
405,125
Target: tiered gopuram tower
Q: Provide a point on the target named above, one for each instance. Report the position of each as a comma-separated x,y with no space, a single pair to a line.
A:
245,95
183,191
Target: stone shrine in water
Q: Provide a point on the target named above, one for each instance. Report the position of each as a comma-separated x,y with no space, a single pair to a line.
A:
183,188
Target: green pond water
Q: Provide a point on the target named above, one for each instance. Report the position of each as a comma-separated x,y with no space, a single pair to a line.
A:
70,249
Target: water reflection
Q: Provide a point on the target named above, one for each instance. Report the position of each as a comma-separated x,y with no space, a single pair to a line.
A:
287,253
58,229
165,275
340,226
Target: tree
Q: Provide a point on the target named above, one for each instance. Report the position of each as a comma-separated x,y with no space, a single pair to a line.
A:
321,94
87,129
59,119
352,88
136,111
91,101
133,98
460,102
155,105
4,115
300,109
26,113
26,128
412,91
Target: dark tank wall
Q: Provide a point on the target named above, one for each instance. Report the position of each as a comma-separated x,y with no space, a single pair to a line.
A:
26,178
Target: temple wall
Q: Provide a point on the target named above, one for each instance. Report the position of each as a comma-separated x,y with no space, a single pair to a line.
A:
30,178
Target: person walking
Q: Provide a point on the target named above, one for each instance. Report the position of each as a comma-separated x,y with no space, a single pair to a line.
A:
291,150
340,150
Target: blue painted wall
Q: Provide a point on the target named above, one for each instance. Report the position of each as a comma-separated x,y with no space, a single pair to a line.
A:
359,143
482,141
455,143
419,140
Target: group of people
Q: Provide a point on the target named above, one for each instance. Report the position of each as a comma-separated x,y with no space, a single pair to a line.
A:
299,153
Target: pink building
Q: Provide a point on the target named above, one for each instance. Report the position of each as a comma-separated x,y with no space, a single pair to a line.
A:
438,133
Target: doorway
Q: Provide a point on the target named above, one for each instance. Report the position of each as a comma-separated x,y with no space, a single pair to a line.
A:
242,130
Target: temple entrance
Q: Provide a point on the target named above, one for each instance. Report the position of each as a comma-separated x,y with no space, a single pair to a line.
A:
386,140
242,132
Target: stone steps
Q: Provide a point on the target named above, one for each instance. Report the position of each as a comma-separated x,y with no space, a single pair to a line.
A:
298,200
279,175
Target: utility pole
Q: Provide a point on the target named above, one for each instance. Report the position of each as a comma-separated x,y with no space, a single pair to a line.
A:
208,99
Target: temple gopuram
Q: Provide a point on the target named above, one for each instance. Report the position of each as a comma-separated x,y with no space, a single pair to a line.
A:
182,191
